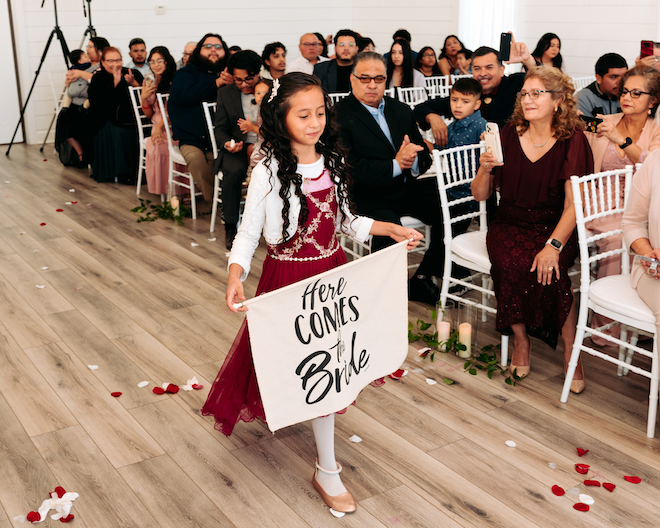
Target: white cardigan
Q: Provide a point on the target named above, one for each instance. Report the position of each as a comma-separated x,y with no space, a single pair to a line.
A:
263,213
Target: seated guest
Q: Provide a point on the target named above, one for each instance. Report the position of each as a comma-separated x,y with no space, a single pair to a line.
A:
464,61
335,74
400,70
113,121
274,61
310,48
187,52
405,35
157,159
235,103
94,48
325,42
548,51
641,231
602,95
246,125
427,63
137,51
193,84
497,98
73,139
447,61
234,49
532,242
623,139
365,44
387,154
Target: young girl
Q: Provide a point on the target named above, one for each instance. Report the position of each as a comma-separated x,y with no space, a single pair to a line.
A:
298,196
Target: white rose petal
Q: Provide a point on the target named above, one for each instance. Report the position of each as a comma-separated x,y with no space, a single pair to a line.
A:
423,350
573,491
143,384
92,367
336,513
44,268
431,381
211,239
41,286
72,190
552,465
586,499
355,439
194,244
510,443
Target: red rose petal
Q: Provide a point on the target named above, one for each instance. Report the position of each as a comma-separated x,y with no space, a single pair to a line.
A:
45,159
158,390
74,202
581,506
33,517
397,375
582,469
591,483
582,452
42,224
115,394
60,491
171,388
609,486
197,386
59,210
558,491
634,480
67,518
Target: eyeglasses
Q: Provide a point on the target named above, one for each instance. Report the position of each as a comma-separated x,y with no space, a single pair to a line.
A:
157,61
346,45
187,54
429,55
533,94
247,80
365,79
311,44
90,46
212,46
635,94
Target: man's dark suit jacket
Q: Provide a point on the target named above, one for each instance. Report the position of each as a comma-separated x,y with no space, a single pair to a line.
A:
326,71
227,113
498,111
371,155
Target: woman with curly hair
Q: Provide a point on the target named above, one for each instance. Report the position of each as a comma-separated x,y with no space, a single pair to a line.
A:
548,51
299,195
163,66
532,241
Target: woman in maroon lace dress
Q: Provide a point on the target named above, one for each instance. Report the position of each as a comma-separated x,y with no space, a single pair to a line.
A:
298,197
532,240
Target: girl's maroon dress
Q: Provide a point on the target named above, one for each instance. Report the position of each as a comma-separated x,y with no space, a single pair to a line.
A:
531,204
312,250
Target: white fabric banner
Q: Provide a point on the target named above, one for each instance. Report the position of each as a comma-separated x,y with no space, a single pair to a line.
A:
317,343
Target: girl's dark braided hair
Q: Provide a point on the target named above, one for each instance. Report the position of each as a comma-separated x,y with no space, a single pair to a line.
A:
277,146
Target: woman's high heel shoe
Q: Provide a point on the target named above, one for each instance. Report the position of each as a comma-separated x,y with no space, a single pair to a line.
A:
342,503
578,385
521,370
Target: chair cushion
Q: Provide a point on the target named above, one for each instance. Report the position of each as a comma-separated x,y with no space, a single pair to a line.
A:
615,293
472,246
409,221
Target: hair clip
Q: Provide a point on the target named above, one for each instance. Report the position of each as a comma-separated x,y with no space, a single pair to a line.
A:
273,93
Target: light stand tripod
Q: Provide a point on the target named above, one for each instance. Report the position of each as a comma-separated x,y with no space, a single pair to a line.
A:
65,51
90,32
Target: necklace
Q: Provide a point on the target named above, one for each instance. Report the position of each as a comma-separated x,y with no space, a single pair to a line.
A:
542,144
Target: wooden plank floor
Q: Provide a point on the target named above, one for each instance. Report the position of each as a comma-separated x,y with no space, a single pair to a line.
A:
142,303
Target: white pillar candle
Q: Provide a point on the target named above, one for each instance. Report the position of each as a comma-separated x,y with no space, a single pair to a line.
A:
444,329
175,206
465,337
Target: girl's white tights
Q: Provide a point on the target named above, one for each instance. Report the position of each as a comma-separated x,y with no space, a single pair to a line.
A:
324,434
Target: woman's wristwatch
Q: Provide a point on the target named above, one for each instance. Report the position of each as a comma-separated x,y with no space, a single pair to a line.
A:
626,143
556,244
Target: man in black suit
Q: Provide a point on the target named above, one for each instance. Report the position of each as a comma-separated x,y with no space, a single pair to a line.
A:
387,154
498,96
335,74
235,112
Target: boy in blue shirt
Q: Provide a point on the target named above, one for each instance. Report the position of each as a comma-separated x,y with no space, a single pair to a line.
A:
466,129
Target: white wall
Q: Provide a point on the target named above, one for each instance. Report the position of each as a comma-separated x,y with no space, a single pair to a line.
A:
588,28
